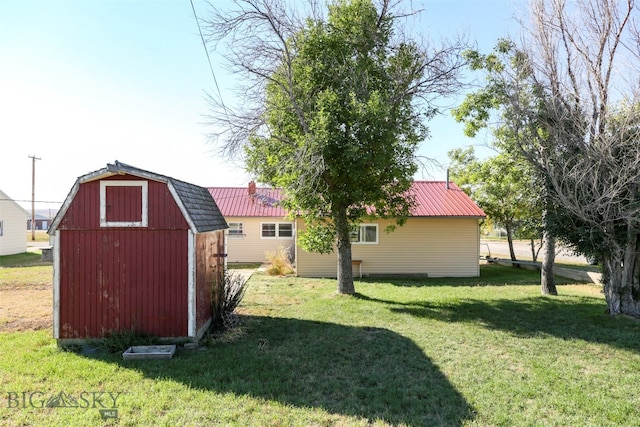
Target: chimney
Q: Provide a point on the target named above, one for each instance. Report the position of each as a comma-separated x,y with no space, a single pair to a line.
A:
447,184
252,188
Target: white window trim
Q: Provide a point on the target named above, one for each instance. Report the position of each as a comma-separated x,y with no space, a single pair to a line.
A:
1,228
103,203
360,228
285,237
240,229
277,236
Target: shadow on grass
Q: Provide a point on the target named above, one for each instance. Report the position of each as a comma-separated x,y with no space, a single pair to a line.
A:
363,372
568,318
490,275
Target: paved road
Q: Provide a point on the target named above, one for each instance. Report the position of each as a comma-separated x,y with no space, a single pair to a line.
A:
500,249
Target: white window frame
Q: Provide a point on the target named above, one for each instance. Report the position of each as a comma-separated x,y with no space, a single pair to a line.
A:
144,221
1,227
360,232
277,228
235,232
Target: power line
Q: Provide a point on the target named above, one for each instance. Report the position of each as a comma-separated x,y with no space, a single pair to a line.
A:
206,51
29,201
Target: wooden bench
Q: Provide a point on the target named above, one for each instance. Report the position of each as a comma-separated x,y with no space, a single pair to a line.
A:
357,262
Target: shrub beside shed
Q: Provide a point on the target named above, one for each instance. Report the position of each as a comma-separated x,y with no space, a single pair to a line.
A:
135,250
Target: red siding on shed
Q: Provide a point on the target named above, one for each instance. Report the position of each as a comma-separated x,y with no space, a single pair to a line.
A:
123,278
120,279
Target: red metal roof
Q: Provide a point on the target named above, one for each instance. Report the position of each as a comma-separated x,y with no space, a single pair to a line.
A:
236,201
432,199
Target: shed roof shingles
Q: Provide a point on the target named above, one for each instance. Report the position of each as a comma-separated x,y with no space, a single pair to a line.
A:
200,206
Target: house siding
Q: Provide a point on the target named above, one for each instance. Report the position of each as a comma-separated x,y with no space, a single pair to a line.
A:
14,234
436,247
250,247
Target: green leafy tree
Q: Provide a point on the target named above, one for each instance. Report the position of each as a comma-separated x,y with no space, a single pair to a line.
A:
569,95
502,186
341,111
517,138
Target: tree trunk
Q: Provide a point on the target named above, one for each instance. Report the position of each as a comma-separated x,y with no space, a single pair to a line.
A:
547,279
619,278
534,253
512,252
345,271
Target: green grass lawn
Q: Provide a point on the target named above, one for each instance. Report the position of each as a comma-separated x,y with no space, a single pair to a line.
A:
454,352
25,270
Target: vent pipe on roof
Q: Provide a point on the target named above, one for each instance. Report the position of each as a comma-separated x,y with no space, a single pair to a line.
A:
447,183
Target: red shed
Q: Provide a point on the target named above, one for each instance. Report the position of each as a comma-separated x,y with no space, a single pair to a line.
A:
135,250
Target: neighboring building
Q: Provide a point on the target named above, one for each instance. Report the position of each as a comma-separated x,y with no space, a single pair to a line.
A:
44,217
257,224
440,239
13,236
135,250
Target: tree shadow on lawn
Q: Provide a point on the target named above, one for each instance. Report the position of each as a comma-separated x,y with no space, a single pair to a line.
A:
490,275
363,372
565,317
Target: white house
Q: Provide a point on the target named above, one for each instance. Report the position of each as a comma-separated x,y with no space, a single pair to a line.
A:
13,234
441,237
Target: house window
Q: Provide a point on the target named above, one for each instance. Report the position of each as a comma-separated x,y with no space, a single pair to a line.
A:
365,234
123,203
235,229
274,230
285,231
268,231
1,229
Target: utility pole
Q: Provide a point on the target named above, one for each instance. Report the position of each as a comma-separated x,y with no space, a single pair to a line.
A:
33,195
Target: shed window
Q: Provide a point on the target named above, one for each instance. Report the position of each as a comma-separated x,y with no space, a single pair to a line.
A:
123,203
365,233
274,230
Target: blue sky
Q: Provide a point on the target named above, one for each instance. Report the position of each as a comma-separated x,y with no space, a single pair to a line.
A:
87,82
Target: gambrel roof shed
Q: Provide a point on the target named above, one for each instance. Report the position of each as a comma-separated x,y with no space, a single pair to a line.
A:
135,249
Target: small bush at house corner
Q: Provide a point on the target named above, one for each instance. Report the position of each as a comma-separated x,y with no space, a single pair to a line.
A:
279,263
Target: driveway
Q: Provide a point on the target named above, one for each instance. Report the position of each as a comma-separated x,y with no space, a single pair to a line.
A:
500,249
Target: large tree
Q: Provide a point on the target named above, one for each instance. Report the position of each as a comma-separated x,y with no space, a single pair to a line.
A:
335,111
570,94
508,92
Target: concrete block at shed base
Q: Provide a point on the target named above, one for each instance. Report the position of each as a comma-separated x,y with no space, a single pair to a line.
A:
47,254
138,352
